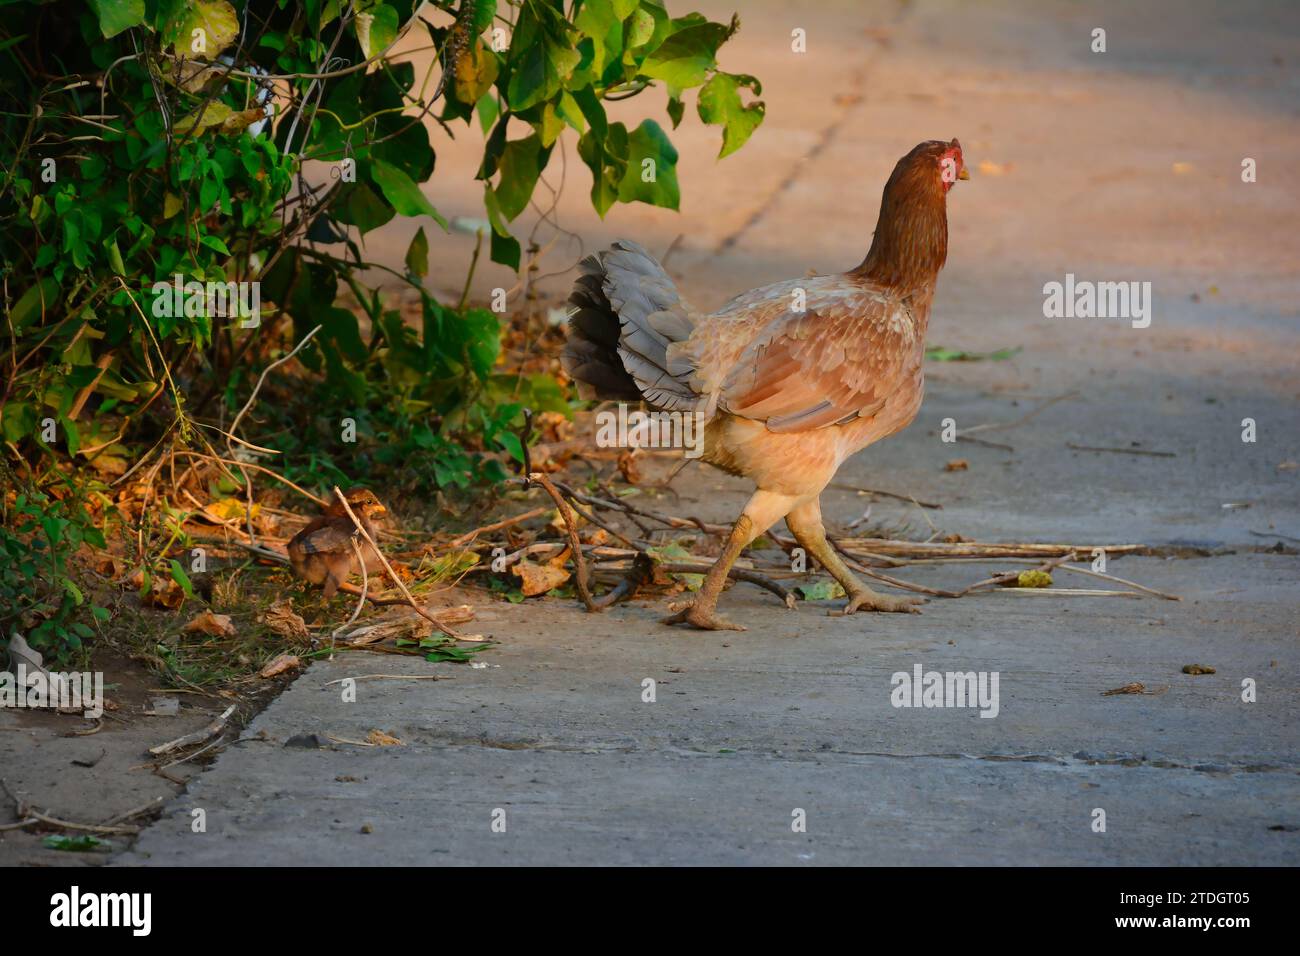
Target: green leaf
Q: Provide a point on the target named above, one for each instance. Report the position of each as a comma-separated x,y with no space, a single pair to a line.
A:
719,105
376,29
607,158
476,70
483,333
540,60
825,590
640,29
676,110
72,435
76,844
341,328
19,420
651,175
114,256
937,353
216,21
211,114
215,243
567,109
417,255
521,165
360,206
484,13
504,248
404,195
181,578
118,15
44,295
686,57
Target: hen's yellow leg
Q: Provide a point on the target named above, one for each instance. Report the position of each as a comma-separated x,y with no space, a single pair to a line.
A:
805,522
762,511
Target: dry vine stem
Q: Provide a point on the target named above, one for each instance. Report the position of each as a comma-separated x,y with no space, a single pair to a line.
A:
389,568
575,546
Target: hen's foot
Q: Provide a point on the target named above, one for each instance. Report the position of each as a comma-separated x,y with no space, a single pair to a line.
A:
701,618
868,600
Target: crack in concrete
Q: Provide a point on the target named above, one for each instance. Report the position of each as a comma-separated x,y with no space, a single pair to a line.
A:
824,140
1079,758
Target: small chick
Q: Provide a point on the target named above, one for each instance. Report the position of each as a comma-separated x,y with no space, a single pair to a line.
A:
322,552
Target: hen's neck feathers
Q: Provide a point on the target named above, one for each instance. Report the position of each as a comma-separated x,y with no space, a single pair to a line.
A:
911,241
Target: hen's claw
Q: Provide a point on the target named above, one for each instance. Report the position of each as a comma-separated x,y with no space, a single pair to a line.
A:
701,619
871,601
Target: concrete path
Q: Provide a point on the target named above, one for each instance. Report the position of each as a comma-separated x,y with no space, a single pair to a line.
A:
1117,166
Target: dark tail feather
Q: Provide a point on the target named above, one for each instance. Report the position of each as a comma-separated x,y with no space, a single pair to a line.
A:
590,355
625,313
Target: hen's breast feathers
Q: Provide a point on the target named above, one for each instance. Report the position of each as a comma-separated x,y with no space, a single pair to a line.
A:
846,354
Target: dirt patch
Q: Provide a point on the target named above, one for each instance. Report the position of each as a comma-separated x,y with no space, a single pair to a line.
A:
94,771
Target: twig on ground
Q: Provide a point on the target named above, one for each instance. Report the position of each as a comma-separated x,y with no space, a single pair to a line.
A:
361,601
575,546
1274,534
999,579
886,494
32,816
154,804
391,677
1123,451
198,737
740,574
1110,577
389,568
639,573
495,526
899,582
1065,592
998,426
986,443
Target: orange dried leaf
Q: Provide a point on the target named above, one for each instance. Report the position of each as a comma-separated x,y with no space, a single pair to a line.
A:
218,625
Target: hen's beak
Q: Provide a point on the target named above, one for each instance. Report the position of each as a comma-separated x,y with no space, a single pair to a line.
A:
964,174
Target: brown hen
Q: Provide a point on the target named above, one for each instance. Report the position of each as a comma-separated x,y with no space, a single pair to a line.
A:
790,379
324,552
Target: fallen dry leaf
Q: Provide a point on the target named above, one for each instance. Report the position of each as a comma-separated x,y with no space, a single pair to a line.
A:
411,626
107,565
381,739
557,524
957,464
629,467
538,578
218,625
229,509
281,664
1198,669
162,592
1034,579
281,618
1133,688
109,466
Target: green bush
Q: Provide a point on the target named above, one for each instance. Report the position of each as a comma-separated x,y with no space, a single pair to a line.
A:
39,596
152,147
129,158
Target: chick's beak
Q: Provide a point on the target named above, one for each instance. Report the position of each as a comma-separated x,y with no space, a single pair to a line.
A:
963,174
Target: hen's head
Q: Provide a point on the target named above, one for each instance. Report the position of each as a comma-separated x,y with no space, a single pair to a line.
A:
911,240
932,165
363,503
